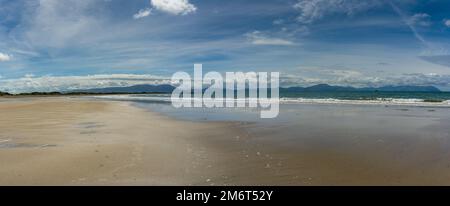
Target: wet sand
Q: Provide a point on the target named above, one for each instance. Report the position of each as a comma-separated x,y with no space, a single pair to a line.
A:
69,141
78,141
355,145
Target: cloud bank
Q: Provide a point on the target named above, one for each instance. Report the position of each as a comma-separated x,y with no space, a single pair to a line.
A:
308,77
315,76
29,83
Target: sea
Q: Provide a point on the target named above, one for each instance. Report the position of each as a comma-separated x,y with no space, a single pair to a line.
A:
338,97
294,103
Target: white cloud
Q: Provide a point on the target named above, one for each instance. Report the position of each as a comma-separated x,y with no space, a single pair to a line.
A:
420,19
4,57
28,76
314,10
447,22
258,38
142,13
175,7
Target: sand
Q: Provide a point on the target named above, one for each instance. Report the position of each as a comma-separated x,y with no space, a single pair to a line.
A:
81,141
70,141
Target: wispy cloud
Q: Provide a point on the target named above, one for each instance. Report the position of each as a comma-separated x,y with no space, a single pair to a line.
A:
54,23
314,10
143,13
258,38
409,23
4,57
420,19
175,7
278,21
447,22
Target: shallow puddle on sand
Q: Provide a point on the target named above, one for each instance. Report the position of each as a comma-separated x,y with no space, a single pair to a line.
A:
8,144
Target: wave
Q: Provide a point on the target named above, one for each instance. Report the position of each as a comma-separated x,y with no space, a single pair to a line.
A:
135,98
377,101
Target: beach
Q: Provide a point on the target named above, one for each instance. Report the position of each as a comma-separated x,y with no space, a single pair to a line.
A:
84,141
68,141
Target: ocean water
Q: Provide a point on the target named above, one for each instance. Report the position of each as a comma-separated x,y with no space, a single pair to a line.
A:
425,96
431,99
295,105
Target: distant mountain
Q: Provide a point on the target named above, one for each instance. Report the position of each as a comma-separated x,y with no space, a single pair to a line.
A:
320,88
144,88
328,88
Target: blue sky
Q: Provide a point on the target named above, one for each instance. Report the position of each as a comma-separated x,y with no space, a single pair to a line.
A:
69,44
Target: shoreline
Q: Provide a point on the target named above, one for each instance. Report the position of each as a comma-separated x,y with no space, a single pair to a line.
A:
302,101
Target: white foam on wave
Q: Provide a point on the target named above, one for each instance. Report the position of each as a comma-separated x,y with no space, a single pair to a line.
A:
168,98
378,101
134,98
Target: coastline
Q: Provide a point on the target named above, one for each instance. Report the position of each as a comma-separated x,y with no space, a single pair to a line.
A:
283,100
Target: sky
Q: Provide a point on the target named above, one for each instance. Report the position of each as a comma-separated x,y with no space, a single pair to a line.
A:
60,45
